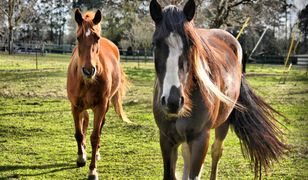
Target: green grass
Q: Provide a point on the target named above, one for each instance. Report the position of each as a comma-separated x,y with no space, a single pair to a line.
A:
37,131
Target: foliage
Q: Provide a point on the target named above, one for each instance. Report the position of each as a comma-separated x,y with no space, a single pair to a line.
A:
37,132
303,20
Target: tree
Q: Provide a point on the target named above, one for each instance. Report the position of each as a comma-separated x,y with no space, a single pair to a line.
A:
53,15
16,11
303,22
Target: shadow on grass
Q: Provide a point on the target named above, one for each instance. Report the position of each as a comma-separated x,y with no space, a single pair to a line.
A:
17,76
31,113
46,168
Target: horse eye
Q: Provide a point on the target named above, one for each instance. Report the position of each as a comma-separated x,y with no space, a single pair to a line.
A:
181,62
96,37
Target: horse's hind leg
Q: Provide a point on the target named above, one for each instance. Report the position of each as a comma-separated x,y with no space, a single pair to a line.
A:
79,135
217,147
98,155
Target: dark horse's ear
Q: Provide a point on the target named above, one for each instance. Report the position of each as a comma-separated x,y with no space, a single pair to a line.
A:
97,18
78,17
189,10
156,11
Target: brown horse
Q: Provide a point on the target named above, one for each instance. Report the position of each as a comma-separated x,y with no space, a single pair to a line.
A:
94,78
199,86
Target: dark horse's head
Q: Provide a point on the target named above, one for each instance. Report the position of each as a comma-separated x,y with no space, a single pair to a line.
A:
171,51
88,35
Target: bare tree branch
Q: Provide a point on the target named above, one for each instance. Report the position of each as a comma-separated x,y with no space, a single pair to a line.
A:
239,3
3,11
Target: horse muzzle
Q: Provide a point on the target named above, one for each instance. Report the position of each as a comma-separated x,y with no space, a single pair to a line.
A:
174,102
88,72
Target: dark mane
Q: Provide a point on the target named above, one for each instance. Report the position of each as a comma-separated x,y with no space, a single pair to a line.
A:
173,20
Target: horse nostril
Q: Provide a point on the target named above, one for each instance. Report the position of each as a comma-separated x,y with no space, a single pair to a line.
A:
182,101
93,71
88,72
85,71
163,101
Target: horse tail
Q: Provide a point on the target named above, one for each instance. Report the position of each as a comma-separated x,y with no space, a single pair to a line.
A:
256,127
117,99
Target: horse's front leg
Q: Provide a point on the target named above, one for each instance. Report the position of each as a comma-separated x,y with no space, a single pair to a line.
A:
99,117
198,149
169,153
79,136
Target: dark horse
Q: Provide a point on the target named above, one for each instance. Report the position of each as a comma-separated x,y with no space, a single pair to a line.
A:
94,78
199,86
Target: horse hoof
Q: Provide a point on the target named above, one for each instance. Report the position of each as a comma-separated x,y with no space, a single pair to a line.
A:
92,177
81,160
80,164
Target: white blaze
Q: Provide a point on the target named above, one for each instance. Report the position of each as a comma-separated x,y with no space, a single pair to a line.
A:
171,78
88,32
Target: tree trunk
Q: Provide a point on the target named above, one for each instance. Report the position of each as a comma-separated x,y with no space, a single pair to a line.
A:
10,23
10,41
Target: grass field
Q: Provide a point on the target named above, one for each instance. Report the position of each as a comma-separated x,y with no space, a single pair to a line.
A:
37,133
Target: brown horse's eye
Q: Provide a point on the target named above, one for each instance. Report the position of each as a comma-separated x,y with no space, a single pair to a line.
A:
96,37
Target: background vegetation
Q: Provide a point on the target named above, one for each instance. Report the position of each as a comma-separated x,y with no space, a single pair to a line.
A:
128,24
37,132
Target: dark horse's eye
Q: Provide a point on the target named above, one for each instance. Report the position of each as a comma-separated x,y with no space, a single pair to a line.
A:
78,38
96,37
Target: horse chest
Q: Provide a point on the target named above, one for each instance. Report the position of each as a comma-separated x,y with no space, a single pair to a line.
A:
89,97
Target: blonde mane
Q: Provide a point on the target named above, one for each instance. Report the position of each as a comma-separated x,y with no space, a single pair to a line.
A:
205,68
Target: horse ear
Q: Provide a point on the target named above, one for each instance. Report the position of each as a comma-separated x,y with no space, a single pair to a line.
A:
78,17
156,11
189,10
97,18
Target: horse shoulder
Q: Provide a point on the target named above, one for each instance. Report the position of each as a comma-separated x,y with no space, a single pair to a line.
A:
110,57
107,45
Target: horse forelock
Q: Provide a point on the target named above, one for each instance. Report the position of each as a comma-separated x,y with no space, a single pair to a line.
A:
88,24
172,22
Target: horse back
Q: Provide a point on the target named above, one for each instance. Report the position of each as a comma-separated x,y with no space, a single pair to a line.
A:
227,56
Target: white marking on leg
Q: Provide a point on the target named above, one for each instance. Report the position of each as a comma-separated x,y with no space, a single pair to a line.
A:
171,78
93,172
88,32
82,158
97,155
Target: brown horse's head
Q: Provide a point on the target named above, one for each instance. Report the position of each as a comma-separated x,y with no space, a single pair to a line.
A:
88,36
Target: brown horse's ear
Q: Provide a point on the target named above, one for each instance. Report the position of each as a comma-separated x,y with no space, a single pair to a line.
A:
97,18
189,10
78,17
156,11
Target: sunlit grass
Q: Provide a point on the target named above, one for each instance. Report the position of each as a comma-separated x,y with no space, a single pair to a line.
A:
37,131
